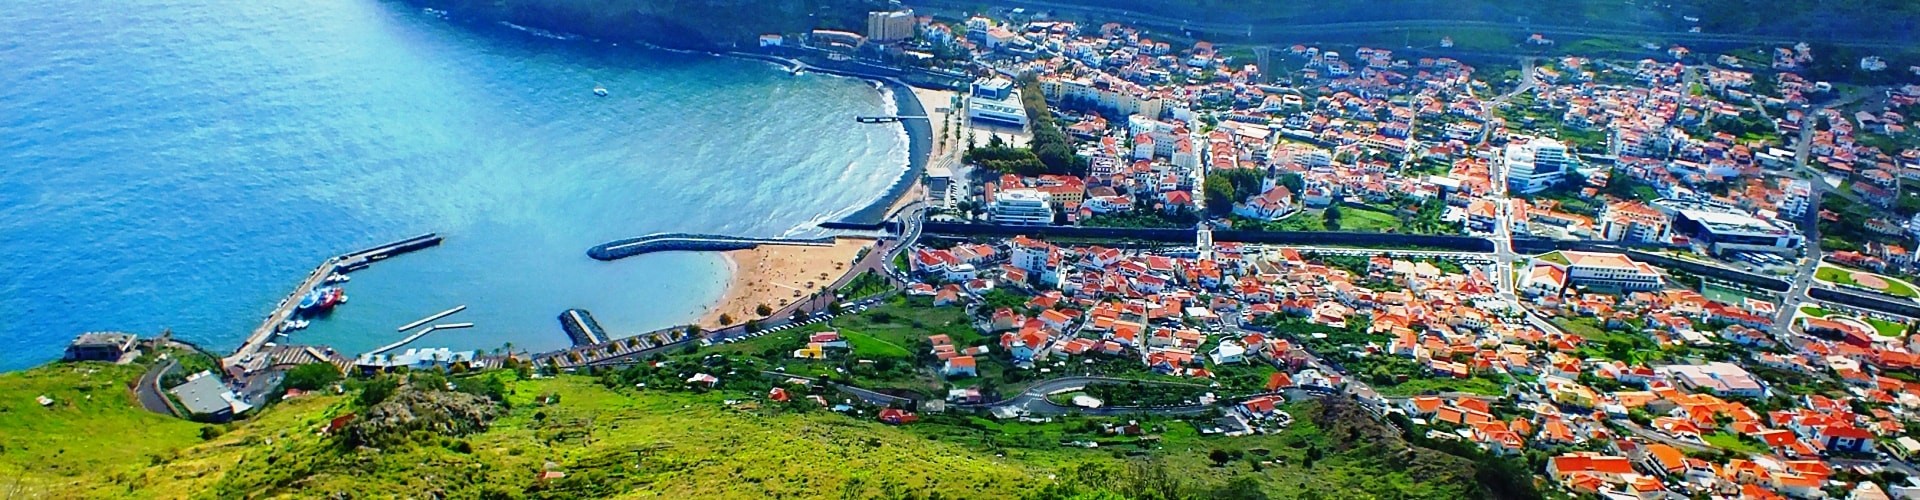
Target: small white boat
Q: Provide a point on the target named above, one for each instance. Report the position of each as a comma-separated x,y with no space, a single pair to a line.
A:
599,90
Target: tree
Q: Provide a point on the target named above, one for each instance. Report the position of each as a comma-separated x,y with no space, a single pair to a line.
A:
726,319
1331,217
1293,182
763,310
1242,487
1219,457
376,391
1219,196
310,377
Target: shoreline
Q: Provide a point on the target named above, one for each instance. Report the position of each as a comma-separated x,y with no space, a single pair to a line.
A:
906,102
778,275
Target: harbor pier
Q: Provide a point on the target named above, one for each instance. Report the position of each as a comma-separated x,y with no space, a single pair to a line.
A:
256,342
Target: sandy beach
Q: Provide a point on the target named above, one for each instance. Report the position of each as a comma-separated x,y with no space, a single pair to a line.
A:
940,108
777,275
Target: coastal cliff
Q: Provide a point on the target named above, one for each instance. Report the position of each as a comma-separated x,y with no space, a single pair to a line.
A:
687,24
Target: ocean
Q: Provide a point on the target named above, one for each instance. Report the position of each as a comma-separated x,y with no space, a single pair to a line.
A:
175,164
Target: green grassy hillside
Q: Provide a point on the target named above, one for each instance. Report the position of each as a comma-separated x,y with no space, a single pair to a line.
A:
94,432
672,444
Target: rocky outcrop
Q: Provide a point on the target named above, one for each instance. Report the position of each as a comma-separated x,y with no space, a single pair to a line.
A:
411,410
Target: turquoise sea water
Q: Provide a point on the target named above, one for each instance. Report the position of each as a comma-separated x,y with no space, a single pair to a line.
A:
180,164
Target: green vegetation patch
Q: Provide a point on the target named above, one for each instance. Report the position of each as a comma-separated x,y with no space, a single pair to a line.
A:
93,429
1733,442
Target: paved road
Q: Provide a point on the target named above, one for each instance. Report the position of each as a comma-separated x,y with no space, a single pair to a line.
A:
1284,29
1650,434
148,389
1034,399
871,397
1809,225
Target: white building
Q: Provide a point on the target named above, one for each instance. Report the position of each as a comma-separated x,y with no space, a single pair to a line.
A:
1799,194
888,26
1606,270
1110,95
1535,165
1163,136
996,100
1634,222
1022,207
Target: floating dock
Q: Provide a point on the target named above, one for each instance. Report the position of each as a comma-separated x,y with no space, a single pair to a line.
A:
581,327
430,319
256,342
417,335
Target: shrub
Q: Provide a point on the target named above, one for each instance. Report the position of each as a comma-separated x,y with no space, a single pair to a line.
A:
310,377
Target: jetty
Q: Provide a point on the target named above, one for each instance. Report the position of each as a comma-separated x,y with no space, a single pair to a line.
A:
256,342
582,328
668,242
429,319
885,119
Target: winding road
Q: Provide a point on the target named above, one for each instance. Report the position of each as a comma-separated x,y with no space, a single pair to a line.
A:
148,389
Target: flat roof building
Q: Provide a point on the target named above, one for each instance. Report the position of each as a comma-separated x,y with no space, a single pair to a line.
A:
888,26
100,346
996,100
1026,207
1726,228
1535,165
206,397
1720,377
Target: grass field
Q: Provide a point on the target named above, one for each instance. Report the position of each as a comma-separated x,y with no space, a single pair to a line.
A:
1841,276
870,346
903,324
1357,219
1886,328
1352,218
1732,442
1415,386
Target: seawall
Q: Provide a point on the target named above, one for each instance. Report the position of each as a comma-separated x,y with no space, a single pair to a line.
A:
672,242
